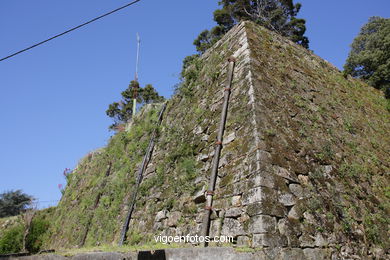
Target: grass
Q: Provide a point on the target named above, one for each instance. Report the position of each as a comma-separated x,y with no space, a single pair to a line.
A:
119,249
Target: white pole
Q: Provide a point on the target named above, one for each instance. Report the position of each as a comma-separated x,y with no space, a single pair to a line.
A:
136,76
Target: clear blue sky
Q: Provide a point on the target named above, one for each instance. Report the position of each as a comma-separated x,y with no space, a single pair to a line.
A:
53,98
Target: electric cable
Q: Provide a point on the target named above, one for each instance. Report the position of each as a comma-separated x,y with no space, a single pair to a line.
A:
70,30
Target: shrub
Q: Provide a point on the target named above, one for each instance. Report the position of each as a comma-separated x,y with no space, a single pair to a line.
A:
11,240
35,236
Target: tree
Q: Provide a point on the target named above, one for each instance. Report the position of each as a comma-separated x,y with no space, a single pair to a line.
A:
122,111
13,203
150,95
276,15
369,58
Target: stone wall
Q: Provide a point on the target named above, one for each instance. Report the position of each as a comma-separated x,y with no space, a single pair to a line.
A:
304,164
271,180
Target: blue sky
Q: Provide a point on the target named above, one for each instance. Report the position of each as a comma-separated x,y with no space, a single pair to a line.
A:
53,98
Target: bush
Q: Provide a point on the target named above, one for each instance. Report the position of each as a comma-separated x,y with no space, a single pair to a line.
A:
35,236
11,240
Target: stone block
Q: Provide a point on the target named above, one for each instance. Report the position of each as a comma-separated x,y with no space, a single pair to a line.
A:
315,254
259,194
294,213
297,190
173,218
199,217
161,215
243,241
282,172
292,230
229,138
232,227
291,253
307,241
273,208
262,224
157,226
269,240
199,196
320,240
215,227
264,179
287,199
233,212
236,201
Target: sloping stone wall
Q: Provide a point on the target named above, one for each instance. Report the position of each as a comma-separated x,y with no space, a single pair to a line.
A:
266,195
304,164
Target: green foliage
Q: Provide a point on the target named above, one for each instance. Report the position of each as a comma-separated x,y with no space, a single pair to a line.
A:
134,238
36,234
369,58
275,15
352,170
122,111
372,225
150,95
11,240
192,66
13,203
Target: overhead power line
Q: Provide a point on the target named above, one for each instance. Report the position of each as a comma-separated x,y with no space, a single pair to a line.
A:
70,30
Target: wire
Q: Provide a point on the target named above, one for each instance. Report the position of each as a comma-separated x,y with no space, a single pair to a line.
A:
70,30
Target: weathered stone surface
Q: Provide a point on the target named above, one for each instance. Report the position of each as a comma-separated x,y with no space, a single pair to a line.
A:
232,227
273,208
291,253
161,215
292,230
157,225
259,194
309,217
150,169
229,138
262,224
233,212
173,218
303,179
215,227
297,190
327,170
243,241
269,240
199,196
315,254
199,217
203,157
236,201
306,240
198,130
204,138
287,199
286,174
264,179
320,240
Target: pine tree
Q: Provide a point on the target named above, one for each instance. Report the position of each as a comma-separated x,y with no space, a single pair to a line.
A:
13,203
276,15
122,111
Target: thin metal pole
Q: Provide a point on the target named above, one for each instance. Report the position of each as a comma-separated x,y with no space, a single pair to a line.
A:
137,61
141,171
218,148
136,76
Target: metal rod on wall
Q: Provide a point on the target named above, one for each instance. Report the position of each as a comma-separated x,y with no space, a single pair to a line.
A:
218,148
